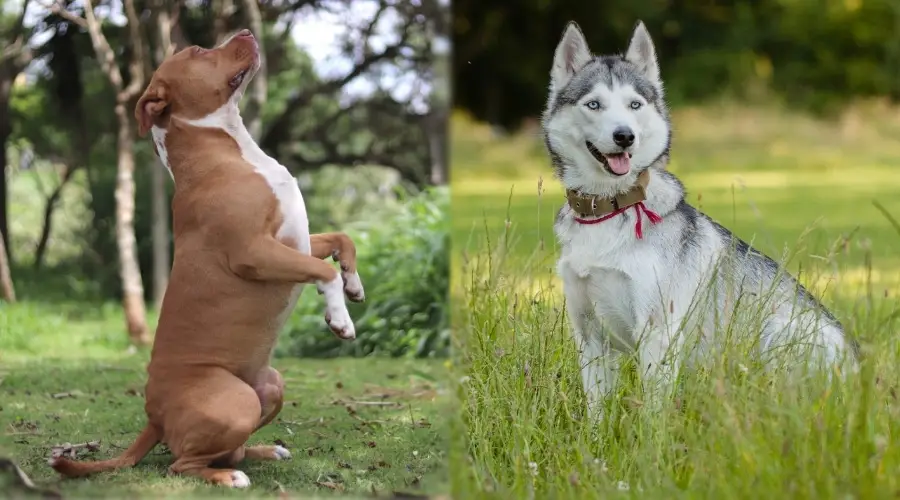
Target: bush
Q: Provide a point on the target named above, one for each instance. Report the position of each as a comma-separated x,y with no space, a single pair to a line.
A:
403,259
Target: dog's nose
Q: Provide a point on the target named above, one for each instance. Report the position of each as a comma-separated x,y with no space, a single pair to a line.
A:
244,32
623,137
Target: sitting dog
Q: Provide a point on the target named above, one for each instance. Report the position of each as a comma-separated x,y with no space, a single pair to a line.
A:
242,255
639,265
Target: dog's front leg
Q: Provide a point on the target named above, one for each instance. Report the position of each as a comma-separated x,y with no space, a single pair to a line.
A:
267,259
598,363
658,352
341,249
599,371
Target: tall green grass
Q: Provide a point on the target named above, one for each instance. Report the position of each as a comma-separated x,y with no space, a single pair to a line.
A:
733,431
793,187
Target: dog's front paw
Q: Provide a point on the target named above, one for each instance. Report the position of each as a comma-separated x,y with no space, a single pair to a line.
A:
336,314
339,321
353,287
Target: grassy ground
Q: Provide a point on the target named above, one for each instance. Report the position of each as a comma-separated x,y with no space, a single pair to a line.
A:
65,376
782,181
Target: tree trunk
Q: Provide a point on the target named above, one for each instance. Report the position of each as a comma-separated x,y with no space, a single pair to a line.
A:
5,131
166,24
160,234
437,145
129,269
49,210
7,292
258,87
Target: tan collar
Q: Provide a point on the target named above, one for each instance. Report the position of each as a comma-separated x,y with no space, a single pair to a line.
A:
593,205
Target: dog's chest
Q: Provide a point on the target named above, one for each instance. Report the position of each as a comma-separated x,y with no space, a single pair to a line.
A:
294,227
610,273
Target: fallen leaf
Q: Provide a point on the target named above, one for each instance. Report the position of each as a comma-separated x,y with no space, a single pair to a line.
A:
330,485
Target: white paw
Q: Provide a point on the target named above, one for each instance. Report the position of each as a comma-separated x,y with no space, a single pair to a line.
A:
239,480
338,319
281,453
336,314
353,287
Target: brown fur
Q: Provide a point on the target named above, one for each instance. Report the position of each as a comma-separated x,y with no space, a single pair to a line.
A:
210,385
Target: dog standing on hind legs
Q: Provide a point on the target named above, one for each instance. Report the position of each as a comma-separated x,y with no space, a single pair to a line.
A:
242,255
635,256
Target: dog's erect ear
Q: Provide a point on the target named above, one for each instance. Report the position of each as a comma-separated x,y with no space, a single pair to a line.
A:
571,55
150,106
642,54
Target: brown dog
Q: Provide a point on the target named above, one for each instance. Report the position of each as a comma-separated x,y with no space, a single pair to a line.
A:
242,253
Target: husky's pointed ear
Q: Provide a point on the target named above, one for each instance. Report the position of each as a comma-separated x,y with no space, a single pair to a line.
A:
571,55
642,53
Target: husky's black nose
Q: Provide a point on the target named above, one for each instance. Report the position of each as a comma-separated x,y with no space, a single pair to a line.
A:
623,137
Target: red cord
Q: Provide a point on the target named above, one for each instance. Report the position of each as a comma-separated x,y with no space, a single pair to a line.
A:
638,207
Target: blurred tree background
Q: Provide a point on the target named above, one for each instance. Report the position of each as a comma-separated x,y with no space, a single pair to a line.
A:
815,55
367,142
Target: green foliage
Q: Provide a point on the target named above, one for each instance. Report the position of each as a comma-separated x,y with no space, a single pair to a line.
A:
403,261
734,430
813,54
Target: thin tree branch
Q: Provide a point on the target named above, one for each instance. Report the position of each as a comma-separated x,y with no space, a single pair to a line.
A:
279,127
105,55
136,65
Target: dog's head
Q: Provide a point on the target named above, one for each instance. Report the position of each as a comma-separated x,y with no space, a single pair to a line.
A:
606,119
196,82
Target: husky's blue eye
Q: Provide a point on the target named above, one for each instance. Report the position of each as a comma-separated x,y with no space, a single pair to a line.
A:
592,105
636,105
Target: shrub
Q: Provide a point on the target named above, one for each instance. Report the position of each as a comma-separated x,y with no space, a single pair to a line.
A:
403,260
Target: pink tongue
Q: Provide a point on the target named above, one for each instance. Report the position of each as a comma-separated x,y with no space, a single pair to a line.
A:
619,163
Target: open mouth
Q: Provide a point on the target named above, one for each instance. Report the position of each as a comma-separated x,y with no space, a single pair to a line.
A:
614,163
238,79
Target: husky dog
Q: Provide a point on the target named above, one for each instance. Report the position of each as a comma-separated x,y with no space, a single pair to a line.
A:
640,266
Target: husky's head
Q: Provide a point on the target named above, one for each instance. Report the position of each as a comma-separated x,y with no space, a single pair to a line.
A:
606,120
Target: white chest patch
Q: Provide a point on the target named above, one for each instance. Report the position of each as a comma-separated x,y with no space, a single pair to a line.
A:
295,222
159,140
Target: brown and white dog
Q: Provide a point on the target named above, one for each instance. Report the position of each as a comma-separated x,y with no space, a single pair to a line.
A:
242,254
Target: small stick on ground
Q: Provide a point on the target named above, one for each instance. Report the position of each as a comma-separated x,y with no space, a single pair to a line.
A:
70,450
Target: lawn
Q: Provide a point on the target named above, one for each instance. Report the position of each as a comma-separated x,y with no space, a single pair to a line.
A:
355,426
788,183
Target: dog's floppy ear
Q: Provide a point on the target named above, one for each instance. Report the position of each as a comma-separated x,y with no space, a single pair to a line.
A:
571,55
150,106
642,53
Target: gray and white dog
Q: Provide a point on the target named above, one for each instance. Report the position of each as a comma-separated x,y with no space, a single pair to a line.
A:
640,266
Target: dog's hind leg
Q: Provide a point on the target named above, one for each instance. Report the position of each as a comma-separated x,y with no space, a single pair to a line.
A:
271,396
341,248
213,429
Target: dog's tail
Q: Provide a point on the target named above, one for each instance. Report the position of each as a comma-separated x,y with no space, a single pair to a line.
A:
145,442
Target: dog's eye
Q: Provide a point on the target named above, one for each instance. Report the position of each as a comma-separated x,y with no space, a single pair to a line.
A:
592,105
636,105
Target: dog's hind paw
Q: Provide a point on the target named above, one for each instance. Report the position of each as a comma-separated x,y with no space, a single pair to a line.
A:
353,287
282,453
239,480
